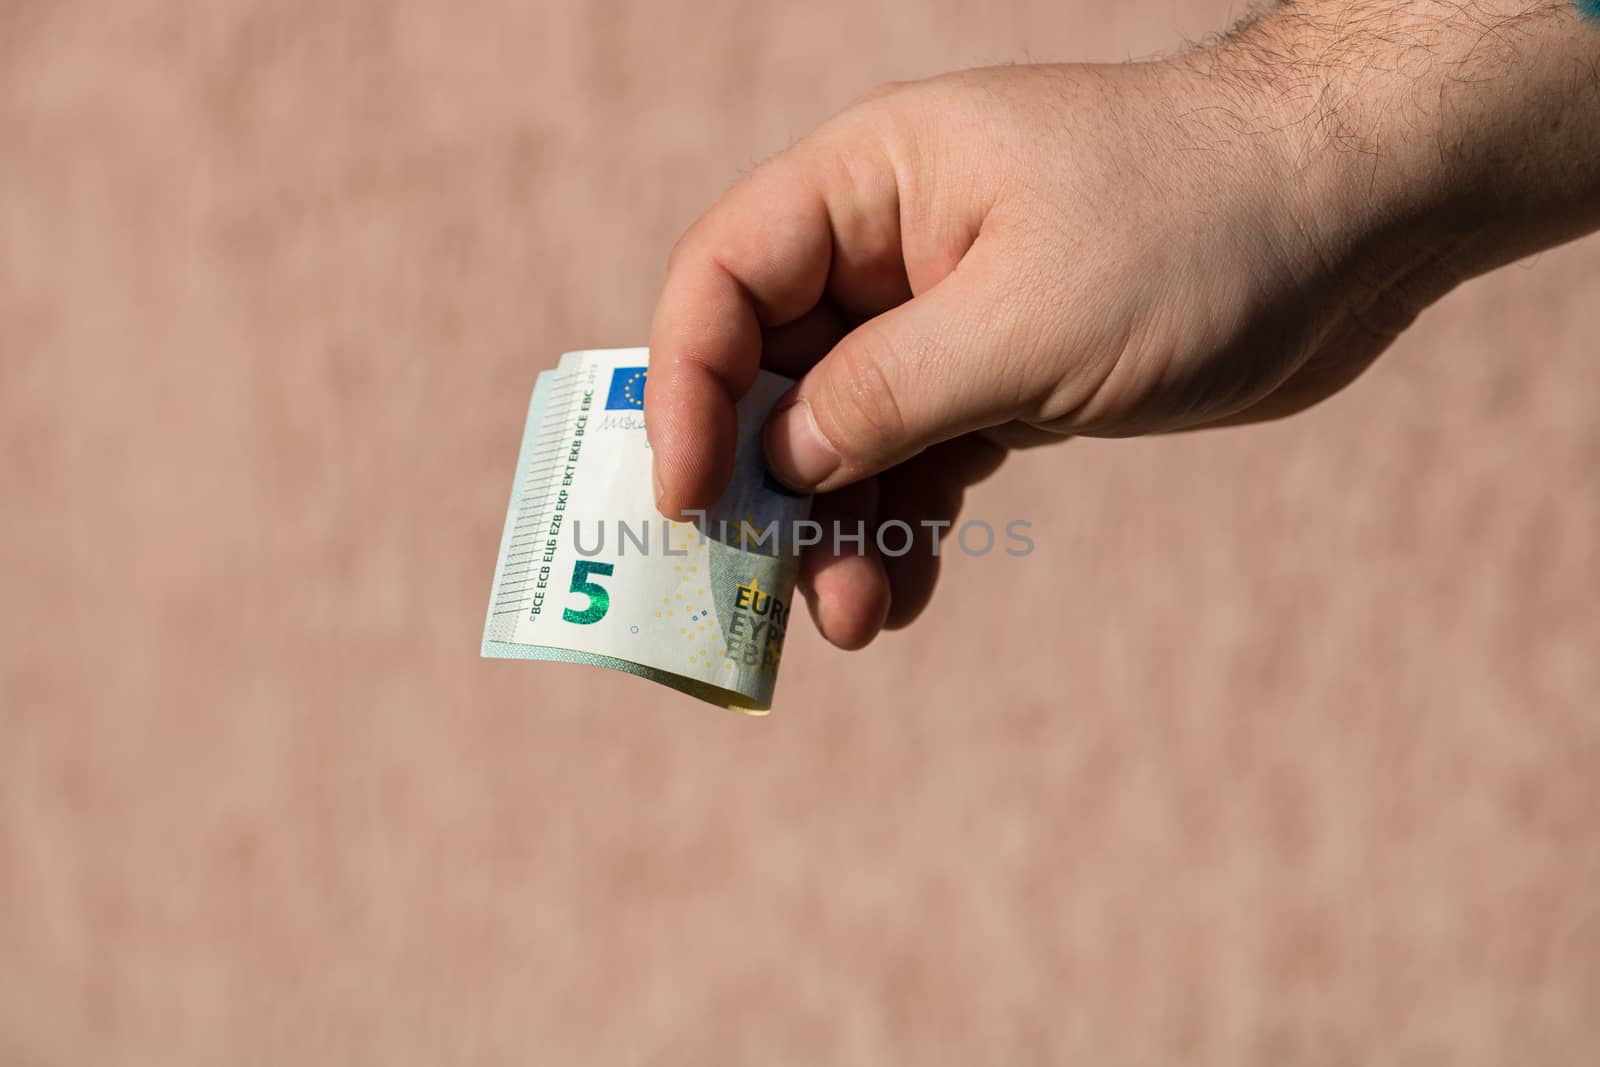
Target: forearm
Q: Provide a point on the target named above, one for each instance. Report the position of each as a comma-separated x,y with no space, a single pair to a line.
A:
1475,119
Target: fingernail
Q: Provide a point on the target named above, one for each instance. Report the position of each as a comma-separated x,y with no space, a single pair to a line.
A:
801,456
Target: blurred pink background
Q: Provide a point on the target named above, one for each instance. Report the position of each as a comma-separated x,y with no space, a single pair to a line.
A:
1283,748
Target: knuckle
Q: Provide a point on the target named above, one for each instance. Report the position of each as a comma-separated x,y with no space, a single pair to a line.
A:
878,92
680,250
868,416
695,240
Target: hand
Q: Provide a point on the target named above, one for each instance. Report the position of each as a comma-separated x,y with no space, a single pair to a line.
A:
1005,257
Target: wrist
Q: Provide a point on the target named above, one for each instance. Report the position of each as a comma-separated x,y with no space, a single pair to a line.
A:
1473,125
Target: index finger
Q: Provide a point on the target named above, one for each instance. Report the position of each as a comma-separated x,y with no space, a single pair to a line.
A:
759,258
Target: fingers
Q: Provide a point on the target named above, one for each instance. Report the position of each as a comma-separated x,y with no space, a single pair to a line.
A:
759,258
930,489
847,591
856,592
926,371
796,347
822,217
1020,435
913,576
964,462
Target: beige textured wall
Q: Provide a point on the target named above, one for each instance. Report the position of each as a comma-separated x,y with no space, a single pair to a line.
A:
1283,749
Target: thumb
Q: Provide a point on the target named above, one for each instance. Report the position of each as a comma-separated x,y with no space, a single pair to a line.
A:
918,374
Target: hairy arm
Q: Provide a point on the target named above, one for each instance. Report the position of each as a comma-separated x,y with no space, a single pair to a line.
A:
1476,122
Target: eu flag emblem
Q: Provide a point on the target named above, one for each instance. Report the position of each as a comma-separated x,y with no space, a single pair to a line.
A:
627,389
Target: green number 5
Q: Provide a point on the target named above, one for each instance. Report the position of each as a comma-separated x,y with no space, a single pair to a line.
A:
599,599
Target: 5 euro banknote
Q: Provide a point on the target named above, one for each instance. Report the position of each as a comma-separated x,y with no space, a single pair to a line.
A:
590,573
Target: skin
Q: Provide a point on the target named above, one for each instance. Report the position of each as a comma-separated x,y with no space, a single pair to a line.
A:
1008,257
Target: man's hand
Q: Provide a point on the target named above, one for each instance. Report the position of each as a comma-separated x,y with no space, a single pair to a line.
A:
1005,257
